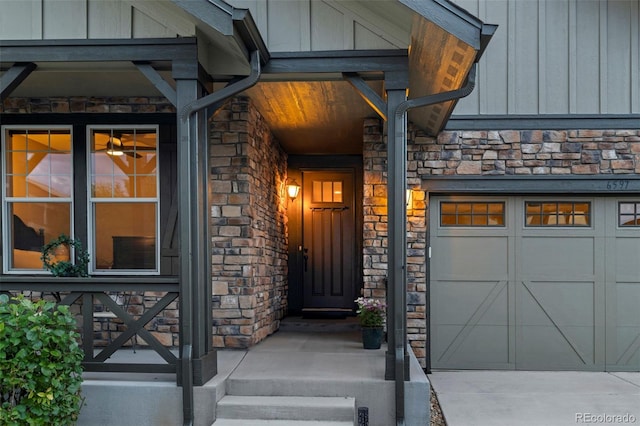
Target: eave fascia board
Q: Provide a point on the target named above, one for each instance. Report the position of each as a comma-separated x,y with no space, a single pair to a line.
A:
449,17
337,61
247,30
216,14
229,22
93,50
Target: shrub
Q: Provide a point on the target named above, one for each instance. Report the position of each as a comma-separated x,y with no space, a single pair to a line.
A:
40,363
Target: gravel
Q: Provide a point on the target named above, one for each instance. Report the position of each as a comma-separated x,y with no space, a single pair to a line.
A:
437,419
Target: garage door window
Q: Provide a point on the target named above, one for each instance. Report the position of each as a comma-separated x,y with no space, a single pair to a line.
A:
557,214
629,214
471,214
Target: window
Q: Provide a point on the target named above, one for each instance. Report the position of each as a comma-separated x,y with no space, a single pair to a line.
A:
123,198
557,214
327,191
119,223
629,214
480,214
37,192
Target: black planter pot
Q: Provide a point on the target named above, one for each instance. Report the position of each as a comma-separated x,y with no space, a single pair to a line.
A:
372,337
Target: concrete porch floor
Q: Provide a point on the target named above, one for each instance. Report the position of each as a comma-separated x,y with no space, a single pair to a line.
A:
304,358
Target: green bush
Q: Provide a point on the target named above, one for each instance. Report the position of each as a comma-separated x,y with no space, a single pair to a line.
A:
40,363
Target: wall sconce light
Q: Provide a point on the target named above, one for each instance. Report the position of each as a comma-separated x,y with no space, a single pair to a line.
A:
293,189
409,198
114,147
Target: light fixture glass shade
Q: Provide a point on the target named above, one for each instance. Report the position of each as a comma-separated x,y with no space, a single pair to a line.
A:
114,147
293,189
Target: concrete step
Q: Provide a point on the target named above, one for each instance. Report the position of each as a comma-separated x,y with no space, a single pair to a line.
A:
253,422
287,408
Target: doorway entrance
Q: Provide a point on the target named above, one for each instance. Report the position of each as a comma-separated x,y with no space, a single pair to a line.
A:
328,240
325,238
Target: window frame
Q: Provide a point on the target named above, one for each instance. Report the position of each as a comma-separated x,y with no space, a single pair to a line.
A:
558,203
635,214
92,201
443,225
7,255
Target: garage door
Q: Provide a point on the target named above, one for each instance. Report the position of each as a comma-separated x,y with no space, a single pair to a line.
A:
533,283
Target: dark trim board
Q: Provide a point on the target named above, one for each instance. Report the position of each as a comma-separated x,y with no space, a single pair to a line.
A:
88,118
542,122
98,50
337,61
587,184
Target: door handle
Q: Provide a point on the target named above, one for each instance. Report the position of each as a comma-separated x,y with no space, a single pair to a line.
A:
305,257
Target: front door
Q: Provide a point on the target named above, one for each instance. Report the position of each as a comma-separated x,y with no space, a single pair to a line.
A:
329,243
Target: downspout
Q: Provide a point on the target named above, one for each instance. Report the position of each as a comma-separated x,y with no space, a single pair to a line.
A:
399,299
187,292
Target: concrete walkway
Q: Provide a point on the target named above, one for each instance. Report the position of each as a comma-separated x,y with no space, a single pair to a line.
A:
537,398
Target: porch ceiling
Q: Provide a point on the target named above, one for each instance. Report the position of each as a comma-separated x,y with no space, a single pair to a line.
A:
314,111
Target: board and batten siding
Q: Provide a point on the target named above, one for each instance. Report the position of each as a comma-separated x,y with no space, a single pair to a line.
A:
557,57
89,19
314,25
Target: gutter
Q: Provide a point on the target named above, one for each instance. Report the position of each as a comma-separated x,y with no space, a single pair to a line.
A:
187,293
399,182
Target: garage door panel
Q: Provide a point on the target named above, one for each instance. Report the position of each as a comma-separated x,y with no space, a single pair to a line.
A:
623,338
627,258
470,303
539,302
552,333
551,256
477,347
628,347
550,347
468,256
628,305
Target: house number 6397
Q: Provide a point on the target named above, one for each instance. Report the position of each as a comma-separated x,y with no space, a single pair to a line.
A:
616,185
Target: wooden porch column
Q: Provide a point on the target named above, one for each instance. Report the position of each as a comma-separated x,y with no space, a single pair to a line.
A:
396,84
195,281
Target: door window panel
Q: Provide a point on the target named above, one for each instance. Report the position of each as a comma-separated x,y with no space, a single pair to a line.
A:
629,214
557,214
476,214
327,191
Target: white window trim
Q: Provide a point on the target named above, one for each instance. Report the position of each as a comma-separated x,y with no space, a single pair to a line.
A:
91,202
7,255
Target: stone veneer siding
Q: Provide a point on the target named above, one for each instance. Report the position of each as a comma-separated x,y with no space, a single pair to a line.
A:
249,227
488,153
525,152
375,226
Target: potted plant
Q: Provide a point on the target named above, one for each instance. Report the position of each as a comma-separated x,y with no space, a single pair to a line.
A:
371,314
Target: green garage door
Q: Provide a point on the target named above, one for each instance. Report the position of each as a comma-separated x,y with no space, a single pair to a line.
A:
535,283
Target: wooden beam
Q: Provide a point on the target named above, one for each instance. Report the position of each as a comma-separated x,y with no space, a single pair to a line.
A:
369,95
160,83
337,61
98,50
13,77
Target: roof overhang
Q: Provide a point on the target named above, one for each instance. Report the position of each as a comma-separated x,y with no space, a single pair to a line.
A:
445,42
232,35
